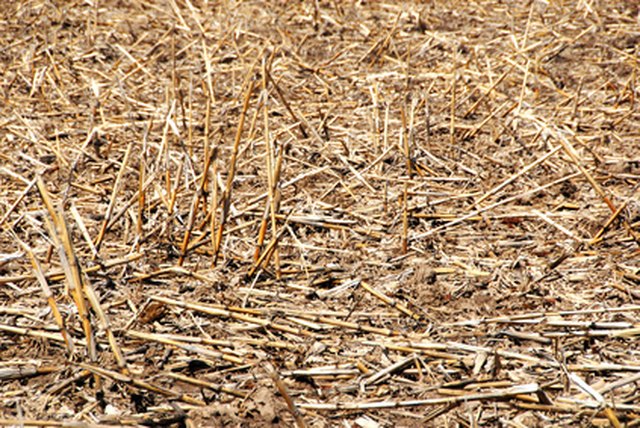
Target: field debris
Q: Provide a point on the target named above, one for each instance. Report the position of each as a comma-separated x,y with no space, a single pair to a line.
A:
318,214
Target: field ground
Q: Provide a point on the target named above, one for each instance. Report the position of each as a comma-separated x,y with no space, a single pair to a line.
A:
356,214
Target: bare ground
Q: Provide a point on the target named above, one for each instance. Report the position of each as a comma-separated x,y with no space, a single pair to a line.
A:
319,214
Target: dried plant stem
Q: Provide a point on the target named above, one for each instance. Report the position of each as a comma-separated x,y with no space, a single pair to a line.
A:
597,237
506,393
199,195
60,236
232,314
141,195
208,385
286,104
273,175
494,205
57,275
452,107
226,197
186,346
480,99
266,254
112,200
520,173
141,384
389,301
405,219
571,152
18,200
73,273
105,324
46,292
282,389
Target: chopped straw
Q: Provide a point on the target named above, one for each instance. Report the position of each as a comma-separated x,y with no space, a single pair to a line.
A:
318,213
